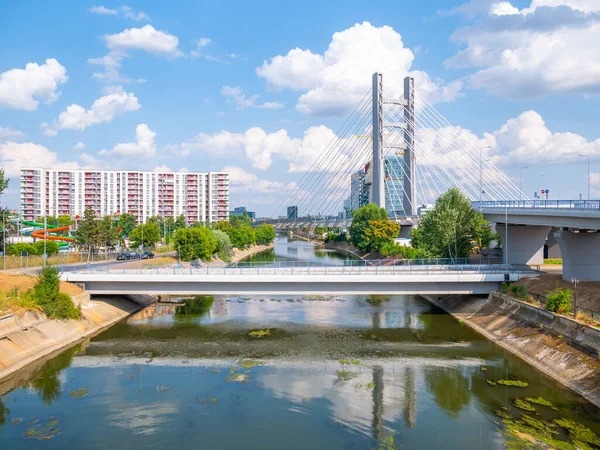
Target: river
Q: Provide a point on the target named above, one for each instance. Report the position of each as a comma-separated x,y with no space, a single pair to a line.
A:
299,372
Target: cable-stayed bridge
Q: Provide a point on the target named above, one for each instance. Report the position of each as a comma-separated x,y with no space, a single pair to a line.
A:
398,151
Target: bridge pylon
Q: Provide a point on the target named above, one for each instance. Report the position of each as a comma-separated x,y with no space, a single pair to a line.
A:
378,182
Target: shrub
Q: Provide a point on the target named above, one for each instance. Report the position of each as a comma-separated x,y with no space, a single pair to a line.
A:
413,253
560,301
505,287
390,249
224,247
192,243
265,234
46,294
518,290
52,248
19,247
242,236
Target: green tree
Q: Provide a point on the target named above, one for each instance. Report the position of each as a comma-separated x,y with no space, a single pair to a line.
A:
450,389
265,234
195,243
238,221
360,222
146,234
127,222
242,237
64,221
180,222
447,230
46,293
224,246
379,234
88,230
3,211
107,233
3,182
320,230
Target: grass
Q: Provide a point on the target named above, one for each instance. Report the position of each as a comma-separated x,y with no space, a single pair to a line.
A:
554,262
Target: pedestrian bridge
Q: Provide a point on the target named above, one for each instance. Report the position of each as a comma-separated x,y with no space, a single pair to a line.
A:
356,277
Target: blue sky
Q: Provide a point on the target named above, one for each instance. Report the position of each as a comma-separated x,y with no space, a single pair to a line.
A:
210,85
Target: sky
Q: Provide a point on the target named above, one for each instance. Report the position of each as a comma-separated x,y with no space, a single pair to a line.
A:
258,88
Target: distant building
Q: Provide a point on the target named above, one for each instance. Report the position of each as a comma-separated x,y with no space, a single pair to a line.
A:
240,210
200,197
292,212
360,187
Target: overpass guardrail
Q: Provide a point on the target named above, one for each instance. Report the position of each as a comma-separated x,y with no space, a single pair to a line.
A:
359,267
580,205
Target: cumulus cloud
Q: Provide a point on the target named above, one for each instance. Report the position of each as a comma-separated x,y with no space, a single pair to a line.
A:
25,88
147,39
10,134
335,81
162,168
200,44
27,154
79,146
143,147
104,109
245,182
549,47
242,101
261,148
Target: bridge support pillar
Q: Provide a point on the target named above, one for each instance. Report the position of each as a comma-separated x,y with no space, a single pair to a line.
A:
580,255
525,244
553,247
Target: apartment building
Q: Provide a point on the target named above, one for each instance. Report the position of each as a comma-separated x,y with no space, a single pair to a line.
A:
202,197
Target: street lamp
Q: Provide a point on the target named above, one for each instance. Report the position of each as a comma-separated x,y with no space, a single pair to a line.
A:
481,174
588,174
521,182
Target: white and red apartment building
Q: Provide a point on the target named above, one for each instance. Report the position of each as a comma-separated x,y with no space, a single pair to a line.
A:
201,197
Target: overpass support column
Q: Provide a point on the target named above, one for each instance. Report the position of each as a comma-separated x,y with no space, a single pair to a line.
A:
553,247
580,254
525,244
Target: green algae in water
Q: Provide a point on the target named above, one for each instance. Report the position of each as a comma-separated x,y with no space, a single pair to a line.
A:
388,442
79,393
41,433
344,375
370,385
515,383
538,401
213,400
249,363
260,333
162,388
491,382
354,362
578,432
524,405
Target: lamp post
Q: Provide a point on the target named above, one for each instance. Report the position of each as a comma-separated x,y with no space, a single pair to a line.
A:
4,237
521,182
481,174
588,174
44,256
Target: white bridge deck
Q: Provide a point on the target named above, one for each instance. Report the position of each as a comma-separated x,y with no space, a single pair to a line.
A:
227,280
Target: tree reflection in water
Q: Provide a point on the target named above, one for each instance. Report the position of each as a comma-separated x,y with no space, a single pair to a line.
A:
450,389
46,382
194,308
4,412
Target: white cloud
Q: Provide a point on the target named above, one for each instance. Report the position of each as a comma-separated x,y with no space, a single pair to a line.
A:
10,134
24,88
147,39
111,63
261,147
161,168
243,102
16,155
79,146
245,182
337,80
127,12
200,44
143,147
104,11
104,109
549,47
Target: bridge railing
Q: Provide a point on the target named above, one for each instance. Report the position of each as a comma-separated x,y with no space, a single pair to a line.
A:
587,205
350,268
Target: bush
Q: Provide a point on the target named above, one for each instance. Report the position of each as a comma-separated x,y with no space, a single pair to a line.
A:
46,294
337,237
242,236
413,253
518,290
265,234
192,243
390,249
504,287
18,248
52,248
560,301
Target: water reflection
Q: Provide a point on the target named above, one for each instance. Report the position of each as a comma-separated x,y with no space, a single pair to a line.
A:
47,382
450,389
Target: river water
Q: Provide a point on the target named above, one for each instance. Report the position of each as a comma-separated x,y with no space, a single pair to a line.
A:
304,372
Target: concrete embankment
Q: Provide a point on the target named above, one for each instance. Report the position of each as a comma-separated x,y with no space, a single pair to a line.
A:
29,336
241,254
557,346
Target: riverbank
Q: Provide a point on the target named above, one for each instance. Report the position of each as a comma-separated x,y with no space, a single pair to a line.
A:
238,255
349,249
557,346
28,336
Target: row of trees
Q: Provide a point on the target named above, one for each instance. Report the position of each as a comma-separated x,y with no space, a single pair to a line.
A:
200,242
446,231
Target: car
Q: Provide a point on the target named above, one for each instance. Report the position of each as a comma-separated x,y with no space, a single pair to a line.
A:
123,256
147,255
133,255
195,264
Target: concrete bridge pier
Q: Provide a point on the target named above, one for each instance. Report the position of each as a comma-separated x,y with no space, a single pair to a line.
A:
525,243
553,247
580,253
